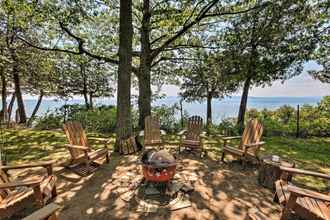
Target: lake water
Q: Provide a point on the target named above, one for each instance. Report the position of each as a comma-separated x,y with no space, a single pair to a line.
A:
227,107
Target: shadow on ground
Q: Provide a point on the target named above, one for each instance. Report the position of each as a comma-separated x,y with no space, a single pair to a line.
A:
221,191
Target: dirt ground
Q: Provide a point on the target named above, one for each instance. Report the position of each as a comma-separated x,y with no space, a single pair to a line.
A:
221,191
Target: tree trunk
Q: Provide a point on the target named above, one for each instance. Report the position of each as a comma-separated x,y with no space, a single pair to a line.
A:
91,100
242,107
36,108
209,110
10,106
144,100
19,97
4,115
124,125
84,91
181,113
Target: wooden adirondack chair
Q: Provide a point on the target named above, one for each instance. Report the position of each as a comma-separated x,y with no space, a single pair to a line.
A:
152,132
82,157
307,204
16,195
250,143
191,138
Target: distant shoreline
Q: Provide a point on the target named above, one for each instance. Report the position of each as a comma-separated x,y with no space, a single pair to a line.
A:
225,108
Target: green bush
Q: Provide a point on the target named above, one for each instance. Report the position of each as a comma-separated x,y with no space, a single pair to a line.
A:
100,119
51,120
314,120
167,116
227,127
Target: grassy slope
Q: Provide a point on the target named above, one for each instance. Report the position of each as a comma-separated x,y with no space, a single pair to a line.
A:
24,145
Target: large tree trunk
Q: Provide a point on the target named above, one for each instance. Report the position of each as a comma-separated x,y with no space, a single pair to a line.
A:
144,100
242,107
4,115
10,106
209,110
124,125
36,108
19,97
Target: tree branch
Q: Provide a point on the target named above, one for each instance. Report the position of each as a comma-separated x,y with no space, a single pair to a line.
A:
202,14
48,49
184,29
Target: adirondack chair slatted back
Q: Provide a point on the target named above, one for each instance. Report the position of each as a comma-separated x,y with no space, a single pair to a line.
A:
194,128
151,130
3,179
252,134
76,136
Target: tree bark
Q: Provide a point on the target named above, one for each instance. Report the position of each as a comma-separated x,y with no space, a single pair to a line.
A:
144,100
36,108
242,107
10,106
209,110
4,115
124,125
19,97
84,91
90,100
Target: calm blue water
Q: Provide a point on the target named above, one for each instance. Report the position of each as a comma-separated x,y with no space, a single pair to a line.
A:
227,107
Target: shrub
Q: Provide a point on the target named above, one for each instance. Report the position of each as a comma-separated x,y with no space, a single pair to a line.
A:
228,127
169,121
100,119
314,120
51,120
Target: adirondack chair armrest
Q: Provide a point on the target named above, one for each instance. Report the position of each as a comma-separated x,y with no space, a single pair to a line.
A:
182,132
77,147
231,138
106,143
308,193
254,144
47,164
304,172
15,184
162,132
203,134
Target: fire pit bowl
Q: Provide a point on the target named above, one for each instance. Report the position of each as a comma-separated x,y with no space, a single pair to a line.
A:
158,166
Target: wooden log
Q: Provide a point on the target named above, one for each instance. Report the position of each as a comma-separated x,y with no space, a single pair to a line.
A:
128,146
270,172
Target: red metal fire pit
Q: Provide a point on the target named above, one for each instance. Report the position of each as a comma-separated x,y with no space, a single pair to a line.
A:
158,166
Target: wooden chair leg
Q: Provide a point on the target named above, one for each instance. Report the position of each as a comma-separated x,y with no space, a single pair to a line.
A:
243,159
286,211
38,196
54,192
223,156
87,164
285,214
107,158
275,198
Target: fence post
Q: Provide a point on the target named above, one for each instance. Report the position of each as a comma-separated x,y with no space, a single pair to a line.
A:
298,122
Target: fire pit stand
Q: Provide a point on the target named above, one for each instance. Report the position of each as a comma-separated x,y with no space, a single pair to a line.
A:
159,188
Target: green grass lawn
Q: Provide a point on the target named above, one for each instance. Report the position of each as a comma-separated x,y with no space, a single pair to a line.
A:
24,145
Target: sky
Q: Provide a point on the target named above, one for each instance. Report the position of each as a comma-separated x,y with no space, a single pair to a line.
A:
299,86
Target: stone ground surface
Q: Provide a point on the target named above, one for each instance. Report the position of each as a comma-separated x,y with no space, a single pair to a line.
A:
221,191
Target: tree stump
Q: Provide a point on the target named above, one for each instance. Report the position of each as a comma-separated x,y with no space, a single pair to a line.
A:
269,171
129,146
